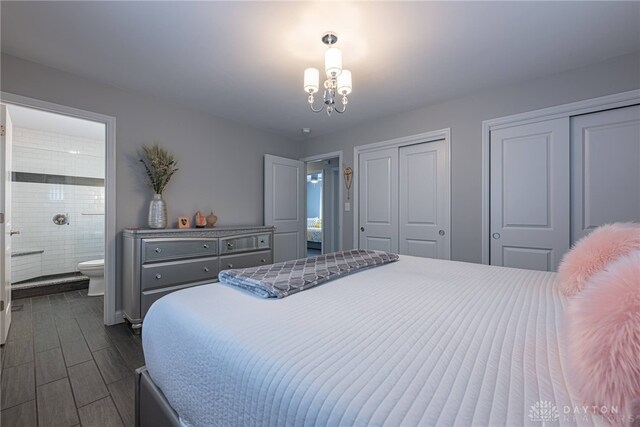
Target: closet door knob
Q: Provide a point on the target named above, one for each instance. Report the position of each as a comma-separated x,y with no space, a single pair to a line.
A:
441,232
361,228
496,236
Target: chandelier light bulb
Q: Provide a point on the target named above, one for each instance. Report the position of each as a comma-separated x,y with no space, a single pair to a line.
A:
311,80
333,62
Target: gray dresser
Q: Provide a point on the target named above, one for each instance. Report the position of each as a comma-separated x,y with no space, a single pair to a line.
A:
158,262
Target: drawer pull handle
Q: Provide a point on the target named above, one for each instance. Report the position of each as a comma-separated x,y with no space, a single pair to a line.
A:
230,265
158,250
263,260
206,269
158,276
206,246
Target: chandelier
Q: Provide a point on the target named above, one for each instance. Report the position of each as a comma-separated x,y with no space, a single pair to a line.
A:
338,80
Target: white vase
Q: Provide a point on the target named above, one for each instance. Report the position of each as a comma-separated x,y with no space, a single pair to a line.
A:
157,212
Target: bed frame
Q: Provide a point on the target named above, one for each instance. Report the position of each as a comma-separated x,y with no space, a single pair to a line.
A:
152,408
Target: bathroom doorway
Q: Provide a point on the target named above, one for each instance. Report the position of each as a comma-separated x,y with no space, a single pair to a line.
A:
62,207
323,202
57,206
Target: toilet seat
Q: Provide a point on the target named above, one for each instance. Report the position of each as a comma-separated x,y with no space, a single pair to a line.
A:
95,264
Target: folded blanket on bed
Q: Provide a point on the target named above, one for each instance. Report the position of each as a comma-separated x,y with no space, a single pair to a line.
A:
285,278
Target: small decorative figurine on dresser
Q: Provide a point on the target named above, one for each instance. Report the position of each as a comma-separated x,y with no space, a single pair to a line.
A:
160,167
200,220
211,220
184,222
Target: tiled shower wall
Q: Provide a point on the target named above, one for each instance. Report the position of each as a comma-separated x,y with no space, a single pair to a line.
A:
55,182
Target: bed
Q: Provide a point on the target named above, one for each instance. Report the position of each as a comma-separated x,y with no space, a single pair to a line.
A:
418,342
314,233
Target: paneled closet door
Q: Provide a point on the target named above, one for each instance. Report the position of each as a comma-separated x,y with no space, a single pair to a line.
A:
378,200
605,164
530,195
424,212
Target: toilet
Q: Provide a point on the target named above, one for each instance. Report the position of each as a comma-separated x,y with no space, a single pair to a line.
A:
94,269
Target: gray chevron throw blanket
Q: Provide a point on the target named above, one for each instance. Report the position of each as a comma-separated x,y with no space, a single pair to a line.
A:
286,278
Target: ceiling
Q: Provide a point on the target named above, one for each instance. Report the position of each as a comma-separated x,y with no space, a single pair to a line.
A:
30,118
244,60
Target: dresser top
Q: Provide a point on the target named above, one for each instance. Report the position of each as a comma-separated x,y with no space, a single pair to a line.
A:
197,232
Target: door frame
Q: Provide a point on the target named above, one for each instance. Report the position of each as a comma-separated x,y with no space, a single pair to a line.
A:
619,100
327,156
437,135
6,224
111,314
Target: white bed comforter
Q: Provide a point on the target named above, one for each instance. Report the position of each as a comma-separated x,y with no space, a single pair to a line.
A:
418,342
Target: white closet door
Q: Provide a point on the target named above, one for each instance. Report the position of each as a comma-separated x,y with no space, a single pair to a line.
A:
378,200
284,199
424,210
530,195
605,164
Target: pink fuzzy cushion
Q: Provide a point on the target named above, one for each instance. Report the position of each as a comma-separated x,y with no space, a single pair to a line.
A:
593,252
603,338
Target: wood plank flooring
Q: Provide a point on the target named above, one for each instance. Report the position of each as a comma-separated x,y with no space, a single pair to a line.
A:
62,367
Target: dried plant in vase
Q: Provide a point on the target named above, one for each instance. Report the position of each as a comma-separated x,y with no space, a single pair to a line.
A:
160,166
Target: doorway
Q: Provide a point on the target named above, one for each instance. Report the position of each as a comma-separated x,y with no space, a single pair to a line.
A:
322,206
57,203
285,204
323,227
61,210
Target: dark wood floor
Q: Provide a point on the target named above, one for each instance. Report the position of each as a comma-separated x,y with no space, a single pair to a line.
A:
62,367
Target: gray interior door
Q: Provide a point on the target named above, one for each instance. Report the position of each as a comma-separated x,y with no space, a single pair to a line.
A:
378,200
530,195
284,206
605,169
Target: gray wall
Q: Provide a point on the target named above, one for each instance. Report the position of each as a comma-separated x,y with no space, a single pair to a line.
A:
221,161
464,116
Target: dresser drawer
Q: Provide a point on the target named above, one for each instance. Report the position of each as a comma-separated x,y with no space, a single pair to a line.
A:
149,297
232,245
163,249
245,260
173,273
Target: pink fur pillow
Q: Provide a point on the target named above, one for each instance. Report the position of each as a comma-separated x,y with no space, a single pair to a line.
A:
603,326
593,252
